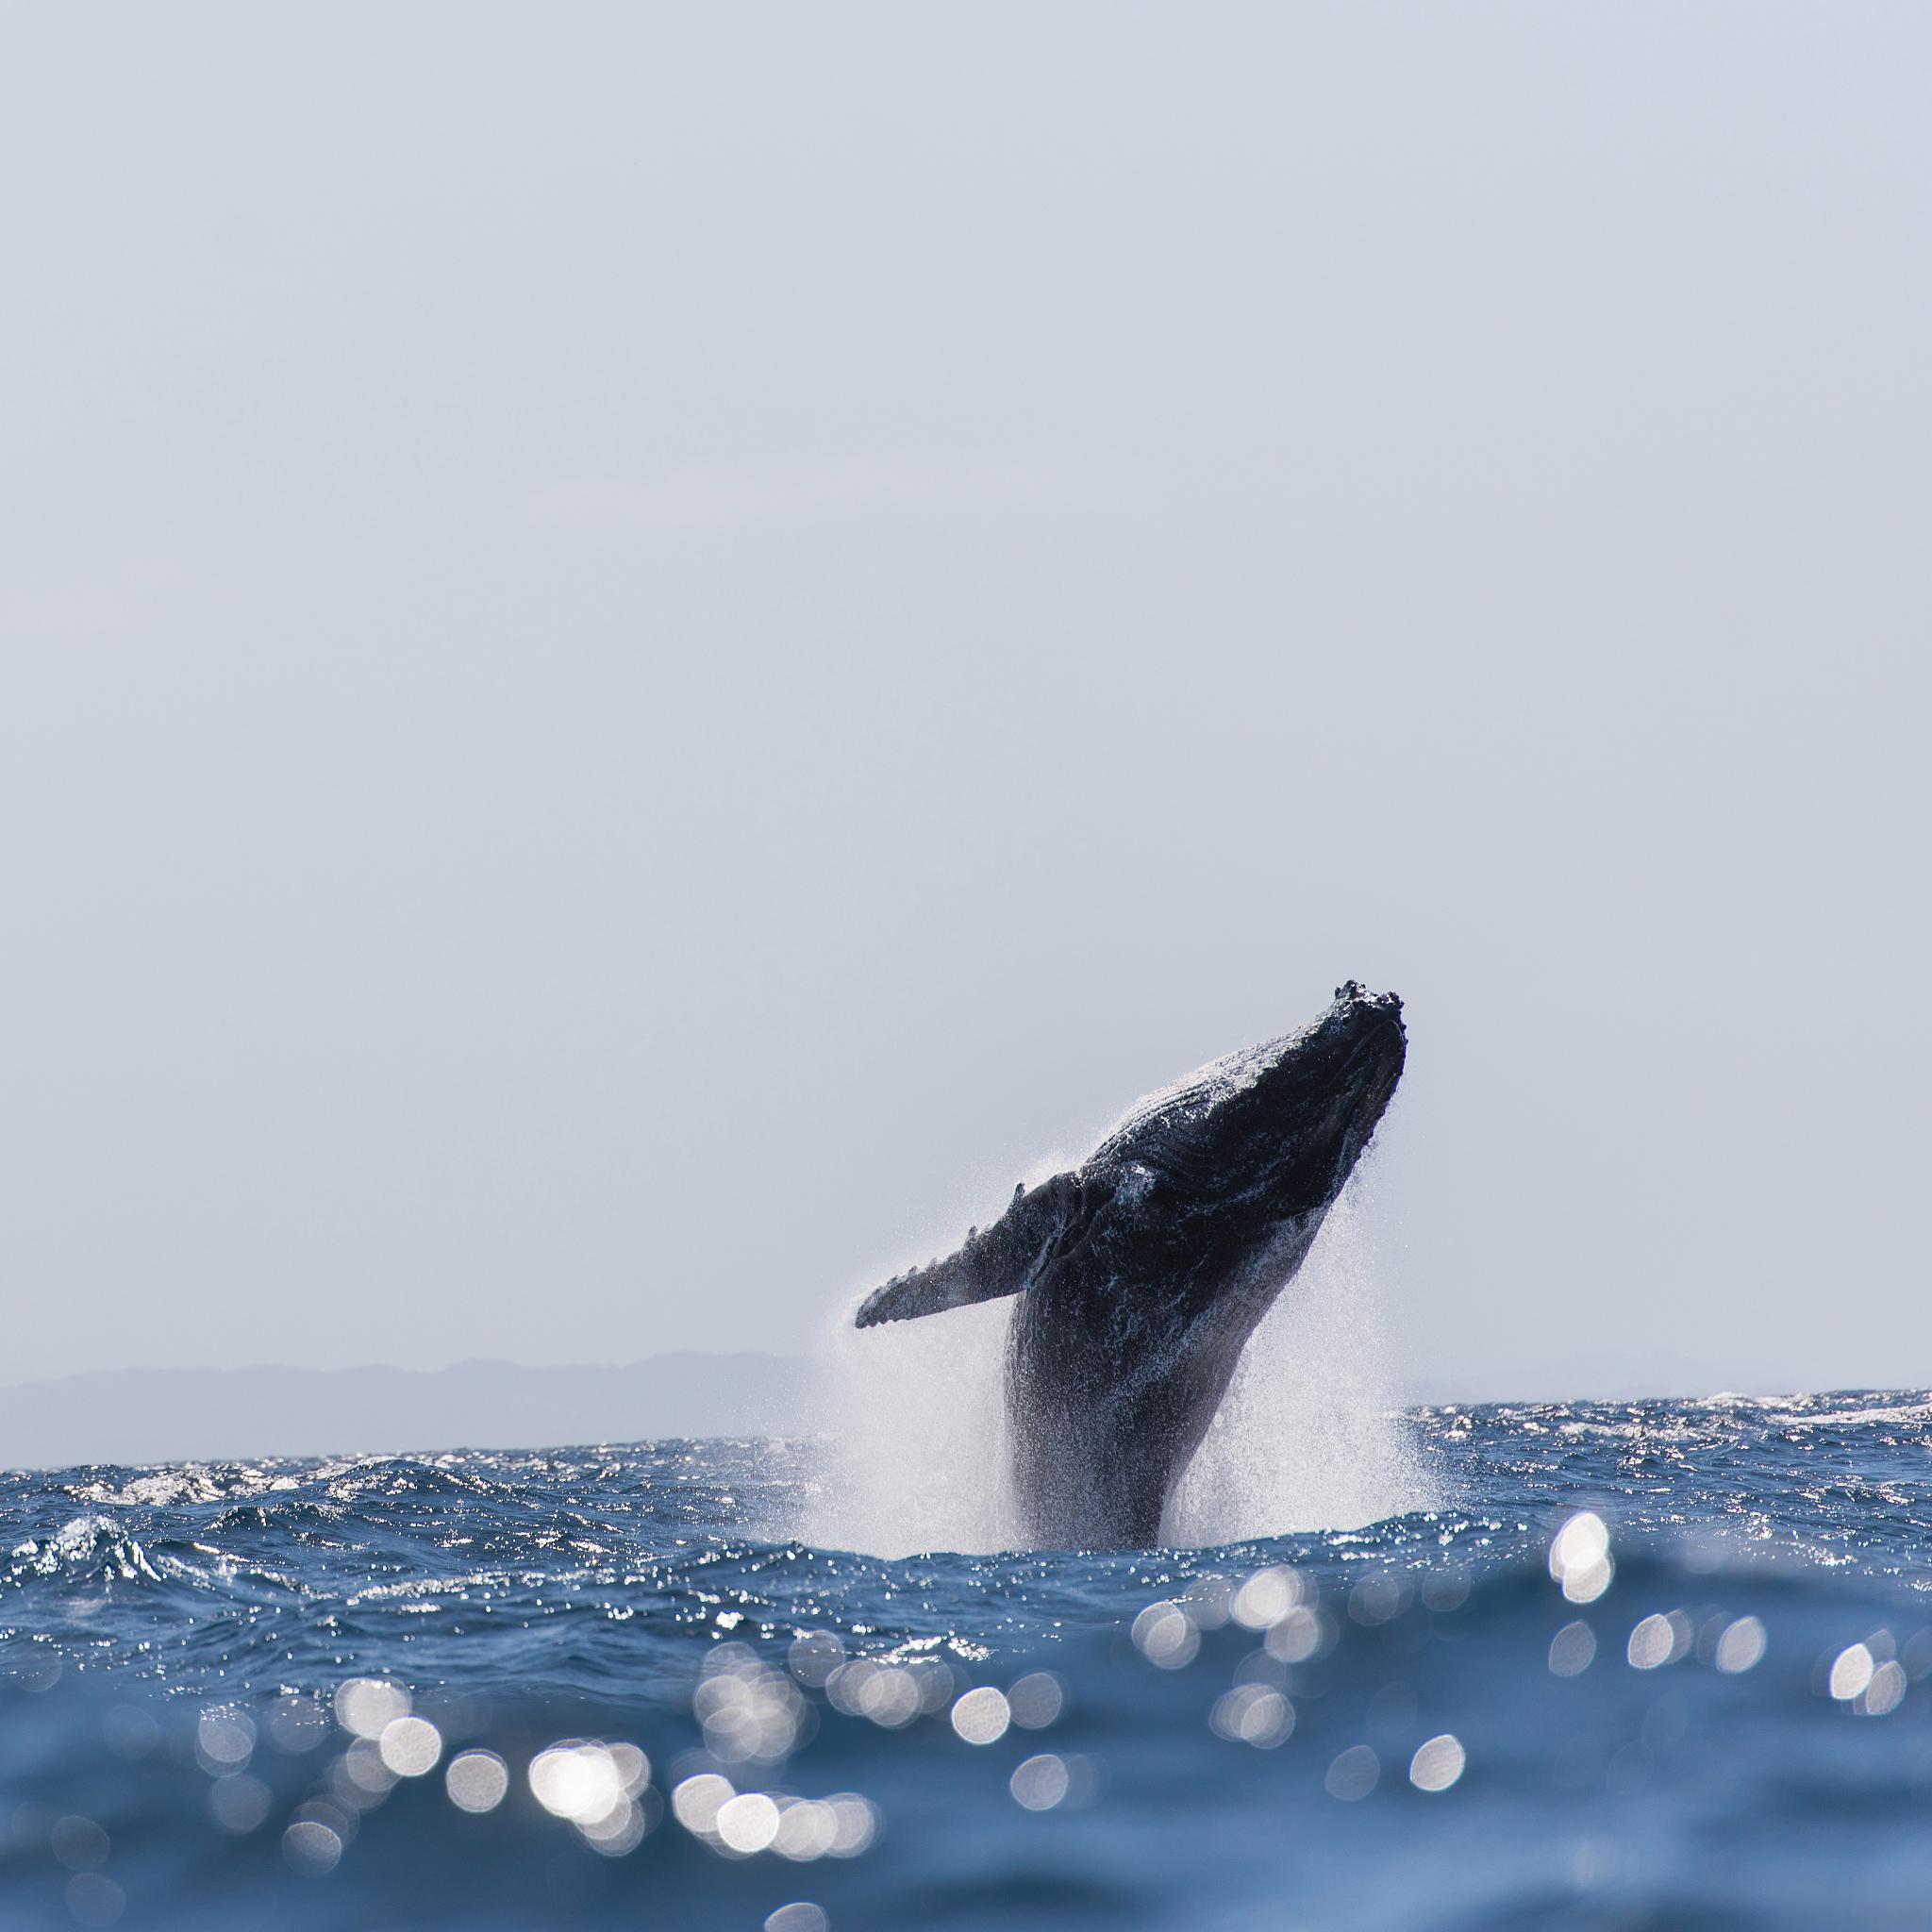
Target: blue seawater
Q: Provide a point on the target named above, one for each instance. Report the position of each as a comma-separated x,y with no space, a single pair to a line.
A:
1656,1664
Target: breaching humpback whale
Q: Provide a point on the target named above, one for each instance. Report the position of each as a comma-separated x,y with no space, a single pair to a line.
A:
1142,1274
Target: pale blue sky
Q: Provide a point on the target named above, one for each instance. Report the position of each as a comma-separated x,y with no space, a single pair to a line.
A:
642,650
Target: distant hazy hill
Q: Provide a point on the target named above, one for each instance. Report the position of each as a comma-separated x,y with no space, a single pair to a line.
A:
1607,1375
172,1415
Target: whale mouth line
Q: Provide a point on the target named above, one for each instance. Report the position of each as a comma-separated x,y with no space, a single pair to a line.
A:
1371,1050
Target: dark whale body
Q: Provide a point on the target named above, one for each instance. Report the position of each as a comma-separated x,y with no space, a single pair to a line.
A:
1142,1274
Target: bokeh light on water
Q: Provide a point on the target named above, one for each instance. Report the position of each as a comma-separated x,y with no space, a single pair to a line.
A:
588,1688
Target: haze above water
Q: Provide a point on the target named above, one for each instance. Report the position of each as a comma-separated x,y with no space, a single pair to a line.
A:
643,651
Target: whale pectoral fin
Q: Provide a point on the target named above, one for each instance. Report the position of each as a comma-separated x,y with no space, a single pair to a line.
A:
1005,1259
927,1290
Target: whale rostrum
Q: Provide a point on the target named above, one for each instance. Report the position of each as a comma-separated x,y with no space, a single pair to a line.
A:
1141,1274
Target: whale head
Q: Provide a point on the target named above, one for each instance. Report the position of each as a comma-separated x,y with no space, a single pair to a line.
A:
1324,1093
1268,1136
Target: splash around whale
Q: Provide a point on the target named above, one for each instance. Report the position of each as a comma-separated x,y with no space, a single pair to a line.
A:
1141,1274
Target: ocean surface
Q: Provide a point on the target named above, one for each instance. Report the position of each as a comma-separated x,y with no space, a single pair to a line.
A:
1654,1664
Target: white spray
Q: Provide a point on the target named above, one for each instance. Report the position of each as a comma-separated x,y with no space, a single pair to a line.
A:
917,1451
1309,1436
